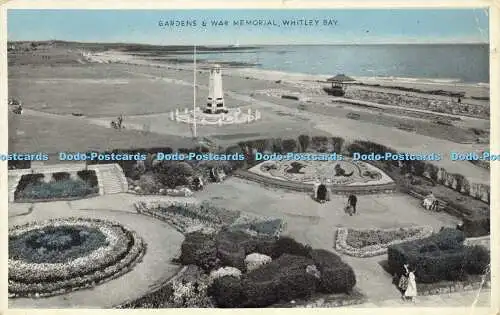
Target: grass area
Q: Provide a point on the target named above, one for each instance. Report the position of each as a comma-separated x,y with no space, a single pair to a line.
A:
48,134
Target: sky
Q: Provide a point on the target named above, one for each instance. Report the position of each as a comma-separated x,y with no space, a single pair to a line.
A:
343,26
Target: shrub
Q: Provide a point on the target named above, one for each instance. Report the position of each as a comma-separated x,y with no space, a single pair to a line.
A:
199,249
88,176
26,180
231,248
148,183
339,278
59,176
441,256
287,245
227,292
289,145
324,258
173,174
335,275
283,279
304,142
338,144
477,225
478,259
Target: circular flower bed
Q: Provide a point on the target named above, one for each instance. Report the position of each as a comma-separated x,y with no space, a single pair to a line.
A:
60,255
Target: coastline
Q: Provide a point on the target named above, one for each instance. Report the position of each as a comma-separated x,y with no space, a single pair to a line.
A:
478,90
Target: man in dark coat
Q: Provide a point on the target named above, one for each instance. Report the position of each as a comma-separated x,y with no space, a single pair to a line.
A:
352,200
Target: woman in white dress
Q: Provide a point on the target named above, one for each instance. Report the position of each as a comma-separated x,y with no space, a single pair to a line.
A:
411,289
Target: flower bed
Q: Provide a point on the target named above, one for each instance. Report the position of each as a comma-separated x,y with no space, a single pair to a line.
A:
188,217
61,255
374,242
31,187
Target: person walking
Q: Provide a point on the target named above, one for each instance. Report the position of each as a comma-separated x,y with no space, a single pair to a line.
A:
403,281
352,200
411,290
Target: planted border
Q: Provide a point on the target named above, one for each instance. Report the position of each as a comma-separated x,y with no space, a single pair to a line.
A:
375,250
41,280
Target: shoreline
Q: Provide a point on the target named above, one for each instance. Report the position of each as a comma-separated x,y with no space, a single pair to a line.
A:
249,70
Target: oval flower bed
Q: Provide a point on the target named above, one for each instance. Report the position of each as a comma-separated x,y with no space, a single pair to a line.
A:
374,242
60,255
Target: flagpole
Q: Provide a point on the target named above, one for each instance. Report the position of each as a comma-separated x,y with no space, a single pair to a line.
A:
194,92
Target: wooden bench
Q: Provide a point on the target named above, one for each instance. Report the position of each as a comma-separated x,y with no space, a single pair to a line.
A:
441,204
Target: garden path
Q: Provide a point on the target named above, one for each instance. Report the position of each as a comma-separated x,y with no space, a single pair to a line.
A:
310,222
307,221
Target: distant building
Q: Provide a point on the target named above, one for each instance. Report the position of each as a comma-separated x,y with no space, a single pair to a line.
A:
215,103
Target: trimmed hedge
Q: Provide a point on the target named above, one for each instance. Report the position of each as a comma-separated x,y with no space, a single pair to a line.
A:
283,279
442,256
336,275
475,226
287,245
26,180
88,176
234,245
60,176
227,292
199,249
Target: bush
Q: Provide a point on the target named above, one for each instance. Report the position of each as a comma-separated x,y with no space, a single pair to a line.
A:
199,249
304,142
324,258
26,180
283,279
337,279
336,276
231,248
227,292
59,176
475,226
289,145
441,256
287,245
148,183
478,260
89,176
173,174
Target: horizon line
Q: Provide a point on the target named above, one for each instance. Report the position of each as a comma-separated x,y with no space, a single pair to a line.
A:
254,45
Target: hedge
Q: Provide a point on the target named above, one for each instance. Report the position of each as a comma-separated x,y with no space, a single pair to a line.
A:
442,256
476,225
336,275
227,292
88,176
59,176
287,245
199,249
283,279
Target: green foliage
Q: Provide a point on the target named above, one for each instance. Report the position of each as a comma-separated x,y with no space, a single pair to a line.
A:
441,256
59,189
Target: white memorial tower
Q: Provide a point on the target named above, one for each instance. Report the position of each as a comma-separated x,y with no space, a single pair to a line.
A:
215,103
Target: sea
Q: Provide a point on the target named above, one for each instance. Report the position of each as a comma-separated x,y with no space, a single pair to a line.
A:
445,63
